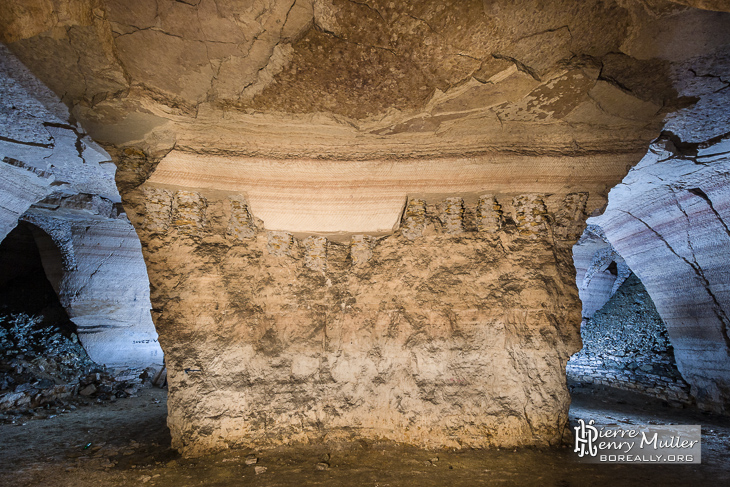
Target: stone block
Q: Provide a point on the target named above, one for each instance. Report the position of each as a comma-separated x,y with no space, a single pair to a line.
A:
315,253
570,218
241,225
530,214
490,217
158,209
414,219
452,215
361,249
188,212
279,244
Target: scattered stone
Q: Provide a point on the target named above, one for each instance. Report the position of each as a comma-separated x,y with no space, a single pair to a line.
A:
259,469
251,460
88,390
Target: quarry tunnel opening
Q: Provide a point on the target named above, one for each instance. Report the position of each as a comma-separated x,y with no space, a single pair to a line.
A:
24,286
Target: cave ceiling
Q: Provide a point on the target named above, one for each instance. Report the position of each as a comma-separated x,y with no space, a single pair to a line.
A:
215,88
388,74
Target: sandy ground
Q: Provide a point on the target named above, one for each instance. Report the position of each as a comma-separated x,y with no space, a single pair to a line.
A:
130,446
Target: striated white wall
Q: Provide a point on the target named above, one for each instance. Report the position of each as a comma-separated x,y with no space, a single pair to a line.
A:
55,177
669,220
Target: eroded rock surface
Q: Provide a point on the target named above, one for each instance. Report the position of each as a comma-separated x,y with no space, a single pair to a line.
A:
430,340
600,270
669,221
673,234
314,78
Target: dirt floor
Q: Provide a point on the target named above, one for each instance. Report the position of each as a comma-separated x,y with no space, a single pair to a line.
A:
126,442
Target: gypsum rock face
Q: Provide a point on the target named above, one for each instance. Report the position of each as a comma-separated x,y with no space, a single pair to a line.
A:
241,224
55,177
442,333
678,224
95,266
600,270
40,152
669,220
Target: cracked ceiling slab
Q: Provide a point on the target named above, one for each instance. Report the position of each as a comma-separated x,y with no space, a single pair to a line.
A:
343,80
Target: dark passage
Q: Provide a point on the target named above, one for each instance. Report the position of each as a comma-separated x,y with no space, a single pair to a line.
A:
24,288
626,346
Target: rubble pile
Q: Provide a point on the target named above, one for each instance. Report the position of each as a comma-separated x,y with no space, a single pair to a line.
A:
44,372
626,346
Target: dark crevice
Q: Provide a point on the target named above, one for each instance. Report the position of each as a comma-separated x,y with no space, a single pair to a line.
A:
690,150
344,39
703,195
79,135
546,31
23,165
685,149
712,76
32,144
373,9
520,66
423,21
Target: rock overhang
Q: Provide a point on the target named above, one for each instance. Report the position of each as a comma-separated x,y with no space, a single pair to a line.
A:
360,80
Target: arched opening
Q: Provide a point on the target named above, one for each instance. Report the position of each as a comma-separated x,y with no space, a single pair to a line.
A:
42,362
626,346
25,287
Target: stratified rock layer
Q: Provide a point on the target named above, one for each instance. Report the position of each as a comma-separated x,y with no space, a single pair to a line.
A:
273,340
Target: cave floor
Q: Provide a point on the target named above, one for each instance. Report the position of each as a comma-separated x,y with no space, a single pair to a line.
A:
130,446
